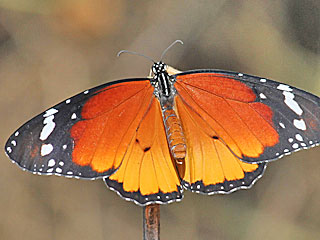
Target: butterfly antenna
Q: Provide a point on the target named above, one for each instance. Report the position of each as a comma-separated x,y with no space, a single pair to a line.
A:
135,53
166,50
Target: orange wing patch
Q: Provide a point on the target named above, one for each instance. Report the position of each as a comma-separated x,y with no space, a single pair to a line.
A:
110,119
147,173
227,106
210,166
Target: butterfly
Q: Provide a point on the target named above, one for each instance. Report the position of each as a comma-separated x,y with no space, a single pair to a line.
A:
208,131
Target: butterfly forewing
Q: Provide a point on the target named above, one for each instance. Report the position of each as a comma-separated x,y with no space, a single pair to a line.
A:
257,119
46,143
296,115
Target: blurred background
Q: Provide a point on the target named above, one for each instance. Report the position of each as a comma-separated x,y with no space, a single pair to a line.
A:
51,50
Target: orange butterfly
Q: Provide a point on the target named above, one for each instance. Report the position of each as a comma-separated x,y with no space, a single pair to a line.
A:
208,131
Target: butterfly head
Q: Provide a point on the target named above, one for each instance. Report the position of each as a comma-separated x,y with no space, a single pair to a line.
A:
159,68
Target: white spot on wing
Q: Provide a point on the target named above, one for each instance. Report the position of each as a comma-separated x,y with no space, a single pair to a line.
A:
300,124
299,137
291,103
64,146
14,143
263,80
59,170
16,134
68,101
295,145
262,96
9,149
46,149
50,112
290,140
48,128
86,92
240,74
73,116
284,87
51,162
282,125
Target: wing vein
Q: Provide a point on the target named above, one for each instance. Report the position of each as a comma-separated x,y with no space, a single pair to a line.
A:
212,92
215,147
243,121
207,114
120,103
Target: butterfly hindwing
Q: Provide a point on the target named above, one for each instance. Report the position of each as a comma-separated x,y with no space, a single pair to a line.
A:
147,173
209,166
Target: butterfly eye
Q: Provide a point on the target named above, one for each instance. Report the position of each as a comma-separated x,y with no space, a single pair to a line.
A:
165,67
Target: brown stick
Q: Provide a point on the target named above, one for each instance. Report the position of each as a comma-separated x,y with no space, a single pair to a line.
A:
151,222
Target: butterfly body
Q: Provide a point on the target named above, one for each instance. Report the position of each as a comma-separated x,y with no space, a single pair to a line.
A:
165,92
208,131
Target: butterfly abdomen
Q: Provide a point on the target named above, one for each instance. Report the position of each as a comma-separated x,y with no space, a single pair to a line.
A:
174,133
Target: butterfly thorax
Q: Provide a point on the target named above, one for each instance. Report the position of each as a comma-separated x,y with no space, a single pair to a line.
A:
165,92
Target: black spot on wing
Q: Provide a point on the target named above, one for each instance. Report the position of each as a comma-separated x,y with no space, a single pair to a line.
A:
146,149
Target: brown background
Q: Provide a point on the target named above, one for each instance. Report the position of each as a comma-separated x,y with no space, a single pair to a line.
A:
51,50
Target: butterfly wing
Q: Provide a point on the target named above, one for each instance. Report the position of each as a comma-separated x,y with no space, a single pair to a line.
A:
74,138
116,126
258,119
228,116
147,173
210,167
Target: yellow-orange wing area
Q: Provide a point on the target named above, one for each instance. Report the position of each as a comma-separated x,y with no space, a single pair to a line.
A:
221,123
123,136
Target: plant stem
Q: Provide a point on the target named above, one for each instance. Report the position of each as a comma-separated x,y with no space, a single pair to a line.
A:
151,222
